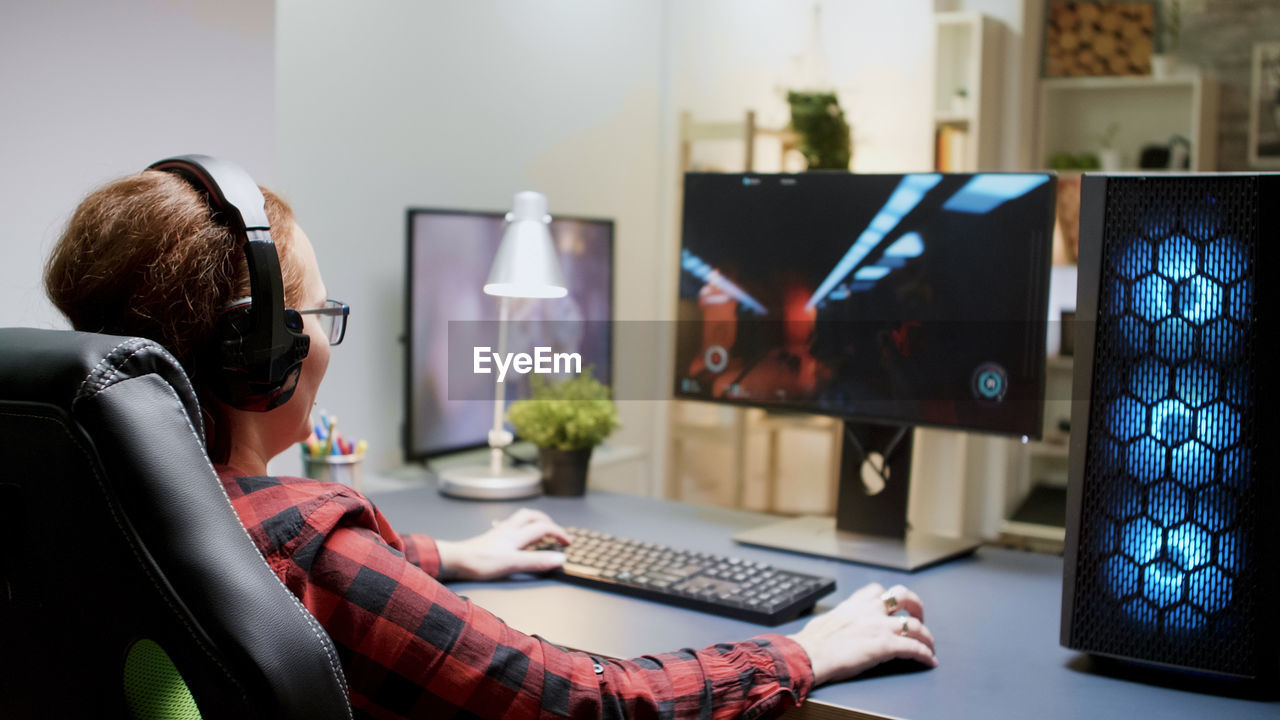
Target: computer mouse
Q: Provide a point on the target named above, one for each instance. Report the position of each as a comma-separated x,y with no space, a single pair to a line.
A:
897,666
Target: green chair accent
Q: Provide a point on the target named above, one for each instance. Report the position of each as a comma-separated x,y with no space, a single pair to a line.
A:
153,687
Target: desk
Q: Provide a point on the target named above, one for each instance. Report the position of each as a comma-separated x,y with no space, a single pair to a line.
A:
994,615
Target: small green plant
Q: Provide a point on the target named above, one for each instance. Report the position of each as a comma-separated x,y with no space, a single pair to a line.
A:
1074,161
824,134
568,415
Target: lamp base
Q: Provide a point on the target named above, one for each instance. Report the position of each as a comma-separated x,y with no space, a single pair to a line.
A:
479,482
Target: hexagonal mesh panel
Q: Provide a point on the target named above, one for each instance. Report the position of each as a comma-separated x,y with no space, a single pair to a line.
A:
1168,488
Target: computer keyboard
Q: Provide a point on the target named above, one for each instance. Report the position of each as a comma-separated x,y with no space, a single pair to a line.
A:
738,588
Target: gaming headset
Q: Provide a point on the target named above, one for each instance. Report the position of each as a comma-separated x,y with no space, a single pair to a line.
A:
260,344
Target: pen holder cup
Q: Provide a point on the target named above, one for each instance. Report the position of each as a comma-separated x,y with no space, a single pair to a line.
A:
343,469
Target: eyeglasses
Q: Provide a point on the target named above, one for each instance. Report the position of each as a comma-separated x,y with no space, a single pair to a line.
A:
333,319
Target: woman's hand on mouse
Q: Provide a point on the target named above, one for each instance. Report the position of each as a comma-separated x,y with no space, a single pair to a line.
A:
500,551
863,632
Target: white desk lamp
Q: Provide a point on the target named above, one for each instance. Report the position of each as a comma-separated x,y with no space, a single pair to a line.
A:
525,267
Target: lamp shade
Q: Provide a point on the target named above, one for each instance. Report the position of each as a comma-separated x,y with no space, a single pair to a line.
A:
526,264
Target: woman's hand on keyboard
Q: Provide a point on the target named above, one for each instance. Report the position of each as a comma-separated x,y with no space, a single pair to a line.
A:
863,632
500,551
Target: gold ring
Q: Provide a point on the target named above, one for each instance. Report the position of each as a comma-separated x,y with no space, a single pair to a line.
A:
905,620
890,602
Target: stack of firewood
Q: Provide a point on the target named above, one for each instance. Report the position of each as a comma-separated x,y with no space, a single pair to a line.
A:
1099,38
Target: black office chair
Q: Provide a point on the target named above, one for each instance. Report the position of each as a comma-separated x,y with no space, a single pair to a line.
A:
130,587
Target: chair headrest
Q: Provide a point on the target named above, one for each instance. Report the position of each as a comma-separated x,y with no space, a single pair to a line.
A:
63,366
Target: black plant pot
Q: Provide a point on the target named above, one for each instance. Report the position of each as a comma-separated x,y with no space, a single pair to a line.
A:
564,472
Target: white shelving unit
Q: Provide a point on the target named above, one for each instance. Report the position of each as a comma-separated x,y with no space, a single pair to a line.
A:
1076,112
969,47
1047,458
1044,463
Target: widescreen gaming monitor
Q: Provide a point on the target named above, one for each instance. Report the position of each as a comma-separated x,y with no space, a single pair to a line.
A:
898,299
890,301
449,258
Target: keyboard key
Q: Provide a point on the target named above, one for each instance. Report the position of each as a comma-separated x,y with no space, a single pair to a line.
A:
578,569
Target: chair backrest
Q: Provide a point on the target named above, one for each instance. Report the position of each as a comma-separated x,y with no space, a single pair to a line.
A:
126,573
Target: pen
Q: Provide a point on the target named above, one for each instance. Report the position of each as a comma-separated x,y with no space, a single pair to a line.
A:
333,430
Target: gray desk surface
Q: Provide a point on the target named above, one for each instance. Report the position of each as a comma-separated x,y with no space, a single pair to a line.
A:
994,616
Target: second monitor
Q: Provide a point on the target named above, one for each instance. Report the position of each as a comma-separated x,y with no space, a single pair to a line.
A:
449,256
888,300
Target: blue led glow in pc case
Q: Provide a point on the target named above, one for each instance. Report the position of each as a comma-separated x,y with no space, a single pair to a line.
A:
1172,512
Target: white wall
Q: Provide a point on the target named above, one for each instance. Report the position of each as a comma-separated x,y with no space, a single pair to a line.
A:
91,90
396,103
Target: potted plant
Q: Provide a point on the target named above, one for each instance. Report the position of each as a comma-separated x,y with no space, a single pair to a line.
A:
566,420
1074,162
822,130
1165,62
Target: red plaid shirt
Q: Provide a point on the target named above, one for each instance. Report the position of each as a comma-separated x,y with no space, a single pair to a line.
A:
412,648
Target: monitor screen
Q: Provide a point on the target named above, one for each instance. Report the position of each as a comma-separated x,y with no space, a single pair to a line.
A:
449,257
900,299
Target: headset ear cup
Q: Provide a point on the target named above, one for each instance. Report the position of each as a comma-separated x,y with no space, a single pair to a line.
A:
274,394
229,373
238,379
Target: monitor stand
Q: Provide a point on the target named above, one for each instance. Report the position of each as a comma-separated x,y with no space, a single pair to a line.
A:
870,526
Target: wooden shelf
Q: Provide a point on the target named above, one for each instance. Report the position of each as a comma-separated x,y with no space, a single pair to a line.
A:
705,432
1057,451
746,132
1060,362
1120,82
1034,530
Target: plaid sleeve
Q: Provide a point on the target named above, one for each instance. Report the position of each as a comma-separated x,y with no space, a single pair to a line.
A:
412,648
421,550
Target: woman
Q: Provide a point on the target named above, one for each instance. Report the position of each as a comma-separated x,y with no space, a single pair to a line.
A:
142,256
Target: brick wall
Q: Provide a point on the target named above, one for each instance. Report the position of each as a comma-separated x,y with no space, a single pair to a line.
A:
1218,36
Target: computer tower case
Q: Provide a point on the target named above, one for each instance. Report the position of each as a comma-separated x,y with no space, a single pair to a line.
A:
1172,513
